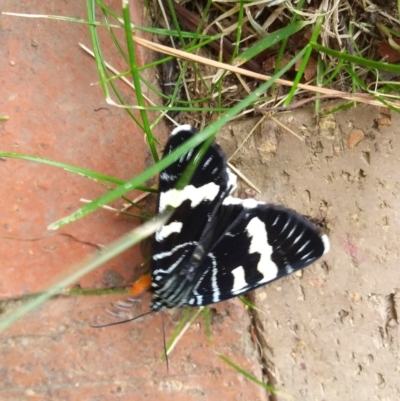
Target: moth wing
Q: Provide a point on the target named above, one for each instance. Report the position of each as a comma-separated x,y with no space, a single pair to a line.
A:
195,205
260,244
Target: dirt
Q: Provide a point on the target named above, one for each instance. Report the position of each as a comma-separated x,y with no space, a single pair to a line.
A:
332,332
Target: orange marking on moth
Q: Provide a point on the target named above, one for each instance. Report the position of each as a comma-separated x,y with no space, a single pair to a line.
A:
141,285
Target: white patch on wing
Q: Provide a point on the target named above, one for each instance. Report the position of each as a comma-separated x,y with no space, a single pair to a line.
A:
257,231
232,179
184,127
304,245
286,224
327,244
214,283
289,269
175,197
291,232
168,177
207,162
239,281
298,238
189,155
171,268
167,230
163,255
231,200
246,203
307,255
199,299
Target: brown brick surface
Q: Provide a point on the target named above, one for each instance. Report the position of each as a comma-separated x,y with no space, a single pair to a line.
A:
55,113
53,353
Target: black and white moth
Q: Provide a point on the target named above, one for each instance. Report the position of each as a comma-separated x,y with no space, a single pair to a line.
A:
215,246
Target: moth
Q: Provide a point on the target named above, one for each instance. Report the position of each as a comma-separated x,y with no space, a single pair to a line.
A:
216,246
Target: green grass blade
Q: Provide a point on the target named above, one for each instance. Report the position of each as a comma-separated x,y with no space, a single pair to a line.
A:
246,374
304,62
101,65
333,74
136,77
371,64
183,325
250,304
283,46
362,85
207,323
73,169
96,47
57,18
334,110
176,332
238,32
115,40
269,41
176,154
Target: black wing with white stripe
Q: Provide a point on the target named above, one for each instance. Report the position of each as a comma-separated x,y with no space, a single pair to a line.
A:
215,246
177,244
261,243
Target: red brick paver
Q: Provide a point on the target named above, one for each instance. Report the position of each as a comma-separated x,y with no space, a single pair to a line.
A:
53,353
54,113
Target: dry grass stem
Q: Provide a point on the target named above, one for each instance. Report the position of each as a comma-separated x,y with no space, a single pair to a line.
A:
356,97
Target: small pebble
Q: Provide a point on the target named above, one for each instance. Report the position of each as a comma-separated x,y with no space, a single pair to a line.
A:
385,121
385,111
355,136
267,147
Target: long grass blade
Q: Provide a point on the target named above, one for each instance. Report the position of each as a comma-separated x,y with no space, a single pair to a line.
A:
246,374
86,266
73,169
176,154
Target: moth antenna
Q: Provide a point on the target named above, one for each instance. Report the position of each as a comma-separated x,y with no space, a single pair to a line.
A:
164,341
121,321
